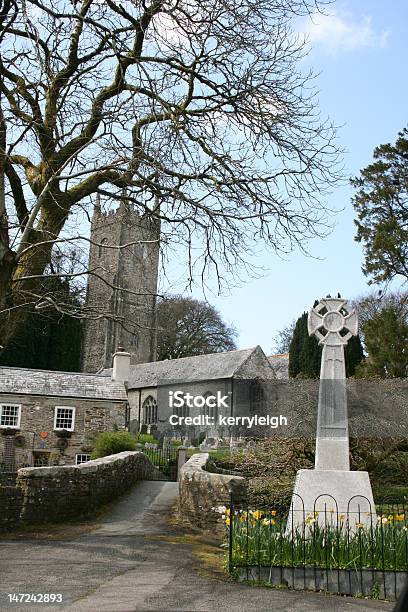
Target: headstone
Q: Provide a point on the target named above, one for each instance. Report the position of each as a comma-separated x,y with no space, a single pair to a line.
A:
331,490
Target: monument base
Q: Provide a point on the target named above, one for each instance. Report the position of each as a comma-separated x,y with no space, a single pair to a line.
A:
332,497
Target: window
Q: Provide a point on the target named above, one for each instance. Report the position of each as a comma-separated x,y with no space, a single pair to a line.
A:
41,459
64,418
149,411
182,411
211,411
10,415
82,458
102,245
256,397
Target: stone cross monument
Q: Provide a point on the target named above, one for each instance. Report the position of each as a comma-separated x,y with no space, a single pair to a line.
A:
333,323
331,489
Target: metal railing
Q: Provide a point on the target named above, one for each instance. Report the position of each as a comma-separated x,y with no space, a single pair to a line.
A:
362,551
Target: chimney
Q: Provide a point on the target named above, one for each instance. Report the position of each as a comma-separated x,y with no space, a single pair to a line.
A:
121,365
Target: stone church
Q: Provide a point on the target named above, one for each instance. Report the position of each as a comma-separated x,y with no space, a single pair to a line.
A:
123,285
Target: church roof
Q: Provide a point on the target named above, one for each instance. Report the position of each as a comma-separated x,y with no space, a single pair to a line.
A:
24,381
189,369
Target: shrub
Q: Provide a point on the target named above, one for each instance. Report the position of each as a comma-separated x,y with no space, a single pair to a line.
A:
143,438
112,442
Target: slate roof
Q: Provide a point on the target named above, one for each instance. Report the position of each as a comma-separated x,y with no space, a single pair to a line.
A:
24,381
188,369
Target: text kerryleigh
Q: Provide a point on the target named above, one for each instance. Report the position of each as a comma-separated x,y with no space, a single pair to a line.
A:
230,421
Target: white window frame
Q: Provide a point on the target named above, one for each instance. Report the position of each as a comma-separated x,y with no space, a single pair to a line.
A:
18,416
55,418
82,455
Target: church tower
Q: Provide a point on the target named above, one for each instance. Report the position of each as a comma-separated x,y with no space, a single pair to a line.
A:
122,285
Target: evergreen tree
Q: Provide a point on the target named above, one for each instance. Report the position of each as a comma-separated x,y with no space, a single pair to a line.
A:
50,341
381,205
294,350
386,341
354,354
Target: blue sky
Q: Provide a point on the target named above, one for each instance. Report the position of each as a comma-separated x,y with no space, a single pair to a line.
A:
361,52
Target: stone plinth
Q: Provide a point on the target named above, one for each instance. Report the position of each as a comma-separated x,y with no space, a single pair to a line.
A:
335,496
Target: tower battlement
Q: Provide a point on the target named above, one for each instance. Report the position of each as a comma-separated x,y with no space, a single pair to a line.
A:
122,287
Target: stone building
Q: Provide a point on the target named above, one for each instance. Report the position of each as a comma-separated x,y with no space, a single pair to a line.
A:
238,375
123,286
53,417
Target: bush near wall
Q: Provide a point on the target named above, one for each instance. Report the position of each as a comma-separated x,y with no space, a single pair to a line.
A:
112,442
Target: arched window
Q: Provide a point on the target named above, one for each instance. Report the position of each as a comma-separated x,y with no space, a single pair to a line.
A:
182,411
211,411
102,243
149,410
256,397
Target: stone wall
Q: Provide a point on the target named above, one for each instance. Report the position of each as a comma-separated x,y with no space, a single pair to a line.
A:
201,493
11,499
56,494
376,407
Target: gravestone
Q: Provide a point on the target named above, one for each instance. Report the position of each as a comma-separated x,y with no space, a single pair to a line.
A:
331,490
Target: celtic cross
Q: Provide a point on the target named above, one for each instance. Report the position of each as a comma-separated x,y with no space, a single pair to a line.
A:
333,323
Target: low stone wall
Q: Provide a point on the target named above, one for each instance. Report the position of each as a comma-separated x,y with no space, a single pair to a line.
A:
55,494
201,493
11,500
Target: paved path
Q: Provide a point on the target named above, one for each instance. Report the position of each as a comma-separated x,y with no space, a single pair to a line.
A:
133,561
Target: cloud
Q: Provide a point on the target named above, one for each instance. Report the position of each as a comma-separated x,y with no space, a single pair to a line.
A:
342,32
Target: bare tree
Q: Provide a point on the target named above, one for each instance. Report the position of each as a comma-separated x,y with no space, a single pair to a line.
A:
283,338
189,327
196,108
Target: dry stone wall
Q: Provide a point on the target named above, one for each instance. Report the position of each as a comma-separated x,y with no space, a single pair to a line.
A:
203,494
56,494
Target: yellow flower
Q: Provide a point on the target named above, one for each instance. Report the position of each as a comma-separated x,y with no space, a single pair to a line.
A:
257,514
390,517
342,517
331,510
316,514
359,525
227,520
269,522
400,517
273,512
227,511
